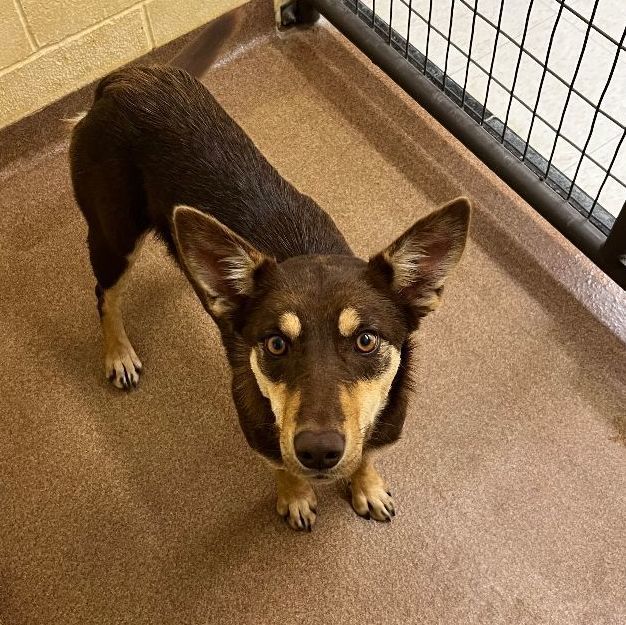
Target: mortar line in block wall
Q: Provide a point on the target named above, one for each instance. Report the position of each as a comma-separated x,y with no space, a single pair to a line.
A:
26,26
147,24
69,39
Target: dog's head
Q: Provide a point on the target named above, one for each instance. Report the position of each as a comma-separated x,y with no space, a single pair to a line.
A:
323,334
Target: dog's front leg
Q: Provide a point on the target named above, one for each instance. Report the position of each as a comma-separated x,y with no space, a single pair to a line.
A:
370,497
297,501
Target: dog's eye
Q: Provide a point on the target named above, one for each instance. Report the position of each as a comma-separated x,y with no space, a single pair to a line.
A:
367,342
276,345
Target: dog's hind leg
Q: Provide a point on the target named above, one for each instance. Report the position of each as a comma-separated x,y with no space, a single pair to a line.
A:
109,193
122,366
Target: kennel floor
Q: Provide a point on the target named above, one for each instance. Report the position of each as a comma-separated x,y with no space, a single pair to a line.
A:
148,507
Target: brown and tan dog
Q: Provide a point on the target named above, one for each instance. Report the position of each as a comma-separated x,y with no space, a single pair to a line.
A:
318,339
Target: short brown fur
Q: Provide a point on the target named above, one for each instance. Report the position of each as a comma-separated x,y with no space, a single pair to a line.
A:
157,153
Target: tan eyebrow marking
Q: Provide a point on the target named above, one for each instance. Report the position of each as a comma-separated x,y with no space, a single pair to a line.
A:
290,325
348,321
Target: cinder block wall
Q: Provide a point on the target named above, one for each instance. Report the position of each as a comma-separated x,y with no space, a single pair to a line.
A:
49,48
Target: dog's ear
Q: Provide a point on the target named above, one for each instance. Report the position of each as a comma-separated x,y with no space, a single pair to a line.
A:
417,264
220,264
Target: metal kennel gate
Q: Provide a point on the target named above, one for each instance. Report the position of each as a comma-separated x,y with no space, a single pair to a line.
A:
386,40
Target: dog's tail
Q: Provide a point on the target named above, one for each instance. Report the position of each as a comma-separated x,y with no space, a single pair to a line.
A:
195,58
205,49
73,121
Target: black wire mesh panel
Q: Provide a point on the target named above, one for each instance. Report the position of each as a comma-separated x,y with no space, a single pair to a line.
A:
545,78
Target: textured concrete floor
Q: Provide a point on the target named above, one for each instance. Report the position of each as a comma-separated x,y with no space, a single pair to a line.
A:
149,507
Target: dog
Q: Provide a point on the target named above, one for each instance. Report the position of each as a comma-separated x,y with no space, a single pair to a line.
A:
319,341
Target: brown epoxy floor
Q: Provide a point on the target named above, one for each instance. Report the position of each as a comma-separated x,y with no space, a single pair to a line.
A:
149,508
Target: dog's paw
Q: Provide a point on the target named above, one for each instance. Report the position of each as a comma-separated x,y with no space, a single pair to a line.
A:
300,513
297,502
122,367
370,497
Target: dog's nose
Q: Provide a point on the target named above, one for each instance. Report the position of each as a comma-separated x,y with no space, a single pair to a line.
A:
319,450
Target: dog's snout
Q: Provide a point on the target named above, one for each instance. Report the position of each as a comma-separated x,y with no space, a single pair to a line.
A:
319,450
